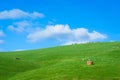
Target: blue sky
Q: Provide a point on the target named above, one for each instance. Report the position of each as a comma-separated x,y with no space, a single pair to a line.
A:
33,24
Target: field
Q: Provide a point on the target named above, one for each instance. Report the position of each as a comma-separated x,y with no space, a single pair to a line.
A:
63,63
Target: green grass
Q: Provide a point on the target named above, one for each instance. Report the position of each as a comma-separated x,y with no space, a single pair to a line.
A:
63,63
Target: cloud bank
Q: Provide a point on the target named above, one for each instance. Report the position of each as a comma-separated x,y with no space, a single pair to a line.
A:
19,14
62,33
65,34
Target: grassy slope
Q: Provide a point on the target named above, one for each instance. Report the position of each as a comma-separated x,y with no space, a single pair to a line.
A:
63,63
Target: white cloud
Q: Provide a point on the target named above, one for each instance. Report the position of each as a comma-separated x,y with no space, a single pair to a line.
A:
18,14
64,34
96,35
20,26
36,14
50,31
19,50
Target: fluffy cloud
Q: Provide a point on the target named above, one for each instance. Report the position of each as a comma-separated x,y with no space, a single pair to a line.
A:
64,34
20,26
18,14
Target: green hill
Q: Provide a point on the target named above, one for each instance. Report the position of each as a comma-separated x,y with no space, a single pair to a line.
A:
63,63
